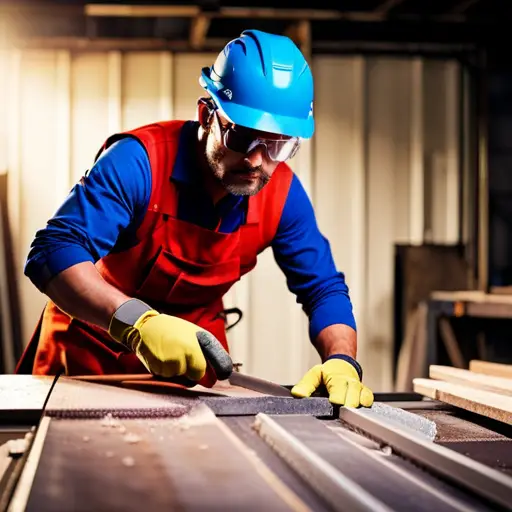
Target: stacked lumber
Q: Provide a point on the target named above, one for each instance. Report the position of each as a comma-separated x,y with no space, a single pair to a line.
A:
485,389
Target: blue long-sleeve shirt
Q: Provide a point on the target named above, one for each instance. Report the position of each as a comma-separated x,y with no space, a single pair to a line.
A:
103,211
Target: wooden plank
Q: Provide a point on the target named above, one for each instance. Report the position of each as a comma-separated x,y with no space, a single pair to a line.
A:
492,405
193,463
488,368
477,380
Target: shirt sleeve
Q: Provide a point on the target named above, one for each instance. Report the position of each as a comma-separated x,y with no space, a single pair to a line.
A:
110,200
305,257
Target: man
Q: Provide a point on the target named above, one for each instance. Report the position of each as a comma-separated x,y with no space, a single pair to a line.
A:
137,259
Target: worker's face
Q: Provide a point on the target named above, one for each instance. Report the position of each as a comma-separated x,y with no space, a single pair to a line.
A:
243,174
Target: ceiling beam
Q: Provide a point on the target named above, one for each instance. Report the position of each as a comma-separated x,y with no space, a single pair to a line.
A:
198,30
463,6
295,14
109,10
142,11
387,5
194,11
190,11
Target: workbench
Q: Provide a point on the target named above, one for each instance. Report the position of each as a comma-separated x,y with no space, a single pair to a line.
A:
141,445
462,304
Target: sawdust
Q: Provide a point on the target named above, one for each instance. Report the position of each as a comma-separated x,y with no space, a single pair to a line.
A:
131,438
128,461
387,450
110,421
200,415
17,447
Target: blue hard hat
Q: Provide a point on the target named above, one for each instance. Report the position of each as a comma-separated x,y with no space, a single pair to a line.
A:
262,81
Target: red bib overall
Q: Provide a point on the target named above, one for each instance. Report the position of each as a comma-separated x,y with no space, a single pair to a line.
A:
177,267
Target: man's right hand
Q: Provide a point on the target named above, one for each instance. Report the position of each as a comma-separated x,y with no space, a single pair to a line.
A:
166,345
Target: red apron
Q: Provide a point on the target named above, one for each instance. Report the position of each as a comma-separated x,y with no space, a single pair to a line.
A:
177,267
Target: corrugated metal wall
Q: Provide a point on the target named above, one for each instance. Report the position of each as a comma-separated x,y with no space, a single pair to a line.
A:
385,129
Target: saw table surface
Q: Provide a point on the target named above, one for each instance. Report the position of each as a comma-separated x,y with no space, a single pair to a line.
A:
138,444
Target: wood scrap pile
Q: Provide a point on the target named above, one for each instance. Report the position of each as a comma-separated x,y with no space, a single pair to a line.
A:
485,389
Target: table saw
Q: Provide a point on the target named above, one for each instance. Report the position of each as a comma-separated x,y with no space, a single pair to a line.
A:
135,443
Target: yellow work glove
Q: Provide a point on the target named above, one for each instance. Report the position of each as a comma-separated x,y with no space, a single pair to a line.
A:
166,345
341,380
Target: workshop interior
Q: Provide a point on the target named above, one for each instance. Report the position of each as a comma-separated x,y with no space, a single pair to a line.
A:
409,172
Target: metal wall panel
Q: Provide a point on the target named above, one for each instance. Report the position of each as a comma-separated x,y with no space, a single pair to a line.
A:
382,126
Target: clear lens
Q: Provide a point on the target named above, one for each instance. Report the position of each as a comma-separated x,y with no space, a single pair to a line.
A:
242,140
277,150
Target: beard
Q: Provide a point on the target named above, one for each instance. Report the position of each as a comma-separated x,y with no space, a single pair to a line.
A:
235,181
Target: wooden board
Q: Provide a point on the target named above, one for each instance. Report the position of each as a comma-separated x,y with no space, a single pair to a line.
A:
492,405
488,368
469,378
194,463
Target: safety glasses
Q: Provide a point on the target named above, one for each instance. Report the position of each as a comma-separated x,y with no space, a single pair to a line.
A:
244,140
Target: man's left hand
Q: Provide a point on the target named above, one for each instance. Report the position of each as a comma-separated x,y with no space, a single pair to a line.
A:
342,381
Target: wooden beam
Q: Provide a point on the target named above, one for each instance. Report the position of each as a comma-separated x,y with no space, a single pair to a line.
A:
142,11
198,30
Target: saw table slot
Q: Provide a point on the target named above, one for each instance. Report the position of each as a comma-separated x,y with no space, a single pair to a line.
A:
454,467
368,478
